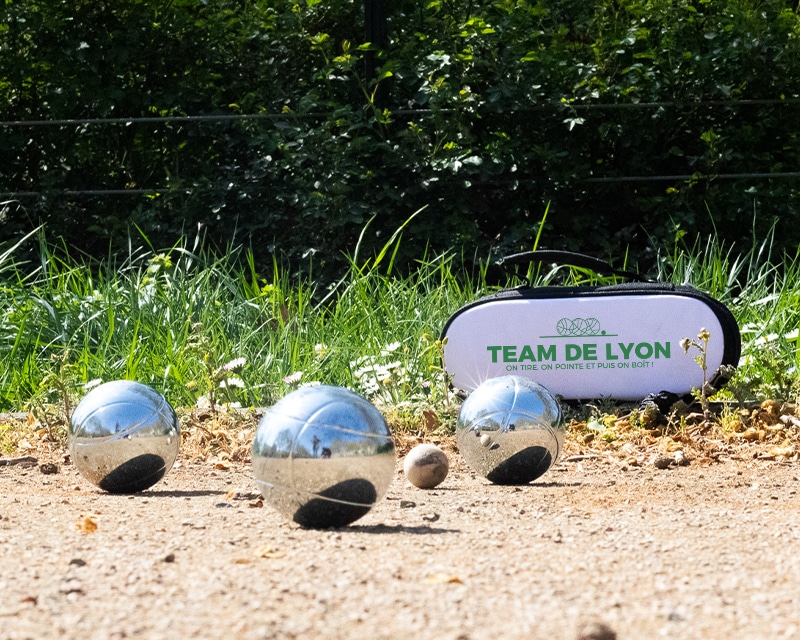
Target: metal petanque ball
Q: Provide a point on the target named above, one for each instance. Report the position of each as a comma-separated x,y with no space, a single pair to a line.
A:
323,456
509,430
123,436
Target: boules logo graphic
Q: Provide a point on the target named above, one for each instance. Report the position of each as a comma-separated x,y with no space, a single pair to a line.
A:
579,328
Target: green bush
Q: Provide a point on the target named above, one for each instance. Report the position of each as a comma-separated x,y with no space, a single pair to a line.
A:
482,112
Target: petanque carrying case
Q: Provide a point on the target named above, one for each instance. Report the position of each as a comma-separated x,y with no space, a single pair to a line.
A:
620,341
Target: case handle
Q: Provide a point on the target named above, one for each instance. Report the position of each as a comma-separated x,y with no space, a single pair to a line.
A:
569,258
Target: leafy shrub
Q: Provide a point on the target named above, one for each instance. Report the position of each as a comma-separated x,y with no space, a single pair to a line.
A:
631,118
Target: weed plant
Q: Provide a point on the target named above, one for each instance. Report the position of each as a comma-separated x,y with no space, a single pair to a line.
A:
214,331
763,292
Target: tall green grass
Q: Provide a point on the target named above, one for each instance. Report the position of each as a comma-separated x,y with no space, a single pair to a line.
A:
213,328
762,290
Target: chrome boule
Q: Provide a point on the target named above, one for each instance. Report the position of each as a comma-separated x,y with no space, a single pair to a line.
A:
509,430
123,436
323,456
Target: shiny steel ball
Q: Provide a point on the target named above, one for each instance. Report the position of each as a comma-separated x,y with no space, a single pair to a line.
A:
123,436
426,466
509,430
323,456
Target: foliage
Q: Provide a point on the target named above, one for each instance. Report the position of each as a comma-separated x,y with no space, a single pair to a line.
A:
213,334
482,111
208,333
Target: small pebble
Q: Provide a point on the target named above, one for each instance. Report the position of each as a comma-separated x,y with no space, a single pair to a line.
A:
663,463
596,631
426,466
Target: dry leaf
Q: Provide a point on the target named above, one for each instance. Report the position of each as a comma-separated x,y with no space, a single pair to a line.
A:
242,561
737,426
87,523
750,434
628,449
431,420
668,445
268,552
784,451
443,578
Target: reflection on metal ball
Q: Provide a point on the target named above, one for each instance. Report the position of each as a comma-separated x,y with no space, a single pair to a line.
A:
123,436
323,456
509,430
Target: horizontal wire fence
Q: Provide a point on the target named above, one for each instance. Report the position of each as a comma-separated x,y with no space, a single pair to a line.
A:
401,113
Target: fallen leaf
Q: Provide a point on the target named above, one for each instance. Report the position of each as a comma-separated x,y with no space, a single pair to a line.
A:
668,445
737,426
695,418
431,420
87,523
628,449
268,552
443,578
771,406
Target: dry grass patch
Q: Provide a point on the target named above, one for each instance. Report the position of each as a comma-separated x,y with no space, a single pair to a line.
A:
223,438
769,431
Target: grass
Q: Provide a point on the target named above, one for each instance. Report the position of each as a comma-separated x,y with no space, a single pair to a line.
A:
214,332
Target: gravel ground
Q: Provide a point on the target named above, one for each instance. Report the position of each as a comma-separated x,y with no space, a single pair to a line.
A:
701,551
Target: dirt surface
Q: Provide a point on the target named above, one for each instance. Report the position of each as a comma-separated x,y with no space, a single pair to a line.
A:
697,551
